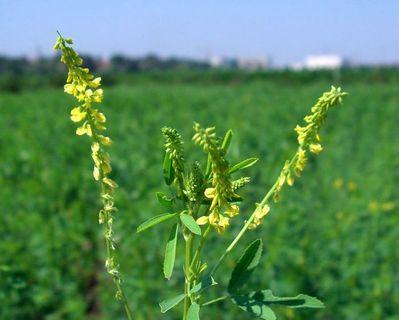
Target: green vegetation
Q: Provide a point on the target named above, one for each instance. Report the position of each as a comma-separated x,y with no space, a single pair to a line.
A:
334,236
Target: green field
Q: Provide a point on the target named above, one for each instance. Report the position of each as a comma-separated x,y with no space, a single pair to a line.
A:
334,235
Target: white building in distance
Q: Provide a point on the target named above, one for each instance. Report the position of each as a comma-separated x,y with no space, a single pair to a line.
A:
253,63
324,61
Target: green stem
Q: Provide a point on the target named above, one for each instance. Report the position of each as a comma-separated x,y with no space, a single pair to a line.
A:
187,284
200,246
247,224
108,240
214,301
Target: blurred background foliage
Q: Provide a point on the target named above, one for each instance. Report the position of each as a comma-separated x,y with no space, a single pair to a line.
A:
334,235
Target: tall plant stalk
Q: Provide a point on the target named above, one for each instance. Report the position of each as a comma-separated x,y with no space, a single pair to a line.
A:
87,91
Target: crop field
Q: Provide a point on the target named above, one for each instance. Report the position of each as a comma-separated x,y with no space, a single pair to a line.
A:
334,236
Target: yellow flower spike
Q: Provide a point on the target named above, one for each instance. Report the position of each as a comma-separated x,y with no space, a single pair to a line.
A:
85,88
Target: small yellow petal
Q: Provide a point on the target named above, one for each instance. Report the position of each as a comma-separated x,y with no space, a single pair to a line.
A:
110,183
209,193
96,173
315,148
202,220
81,130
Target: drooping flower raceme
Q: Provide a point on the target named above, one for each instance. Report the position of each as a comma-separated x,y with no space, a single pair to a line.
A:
86,89
308,138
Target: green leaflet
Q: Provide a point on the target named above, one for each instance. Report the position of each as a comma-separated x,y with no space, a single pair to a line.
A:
299,301
155,220
245,266
255,308
170,252
258,303
227,140
164,200
243,164
168,171
190,223
170,303
205,283
193,312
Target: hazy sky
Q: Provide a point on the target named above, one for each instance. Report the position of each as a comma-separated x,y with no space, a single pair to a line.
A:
365,31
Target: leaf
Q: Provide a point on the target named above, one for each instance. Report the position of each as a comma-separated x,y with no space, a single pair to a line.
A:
154,221
170,303
190,223
245,266
255,308
299,301
168,171
170,252
243,164
193,312
205,283
164,200
227,140
258,303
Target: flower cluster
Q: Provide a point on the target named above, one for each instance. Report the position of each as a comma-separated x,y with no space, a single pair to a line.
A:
86,89
260,213
195,184
308,139
222,188
174,149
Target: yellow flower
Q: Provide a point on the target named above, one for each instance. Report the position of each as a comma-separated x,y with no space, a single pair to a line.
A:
110,183
77,114
388,206
70,88
96,82
259,216
209,193
233,210
338,183
352,186
84,129
106,141
315,148
223,224
96,173
202,220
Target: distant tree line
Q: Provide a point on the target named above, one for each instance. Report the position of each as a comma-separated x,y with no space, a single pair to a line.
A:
117,63
20,73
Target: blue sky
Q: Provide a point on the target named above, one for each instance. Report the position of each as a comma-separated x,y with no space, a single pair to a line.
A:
365,31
